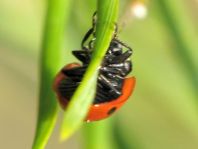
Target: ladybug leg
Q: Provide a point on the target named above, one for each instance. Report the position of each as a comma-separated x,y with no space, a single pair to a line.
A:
123,44
87,35
90,32
109,84
124,68
121,58
83,56
109,70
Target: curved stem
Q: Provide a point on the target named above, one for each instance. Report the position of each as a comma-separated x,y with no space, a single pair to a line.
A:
49,65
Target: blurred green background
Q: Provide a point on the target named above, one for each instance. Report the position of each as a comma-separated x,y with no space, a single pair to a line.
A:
163,111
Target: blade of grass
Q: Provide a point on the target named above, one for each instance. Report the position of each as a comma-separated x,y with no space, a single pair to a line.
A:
50,62
99,135
78,107
182,47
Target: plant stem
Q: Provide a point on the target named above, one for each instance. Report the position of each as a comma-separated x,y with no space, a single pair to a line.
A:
50,62
83,96
99,135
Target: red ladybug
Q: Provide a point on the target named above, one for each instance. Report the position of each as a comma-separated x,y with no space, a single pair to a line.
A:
113,88
101,110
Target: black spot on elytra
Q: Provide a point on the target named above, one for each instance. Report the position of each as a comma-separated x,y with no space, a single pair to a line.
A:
111,111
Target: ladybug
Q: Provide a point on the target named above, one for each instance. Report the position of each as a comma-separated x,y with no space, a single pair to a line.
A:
113,88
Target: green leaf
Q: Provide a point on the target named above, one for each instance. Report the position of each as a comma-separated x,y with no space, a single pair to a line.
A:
50,62
78,107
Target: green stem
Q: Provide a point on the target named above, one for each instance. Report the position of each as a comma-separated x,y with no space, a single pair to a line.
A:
83,97
99,135
52,47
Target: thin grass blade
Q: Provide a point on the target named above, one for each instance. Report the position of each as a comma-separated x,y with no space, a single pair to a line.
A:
50,61
79,105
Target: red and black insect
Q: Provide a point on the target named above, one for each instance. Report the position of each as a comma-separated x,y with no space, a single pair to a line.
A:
113,88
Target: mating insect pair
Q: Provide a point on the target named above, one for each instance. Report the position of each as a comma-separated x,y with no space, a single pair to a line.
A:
113,89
